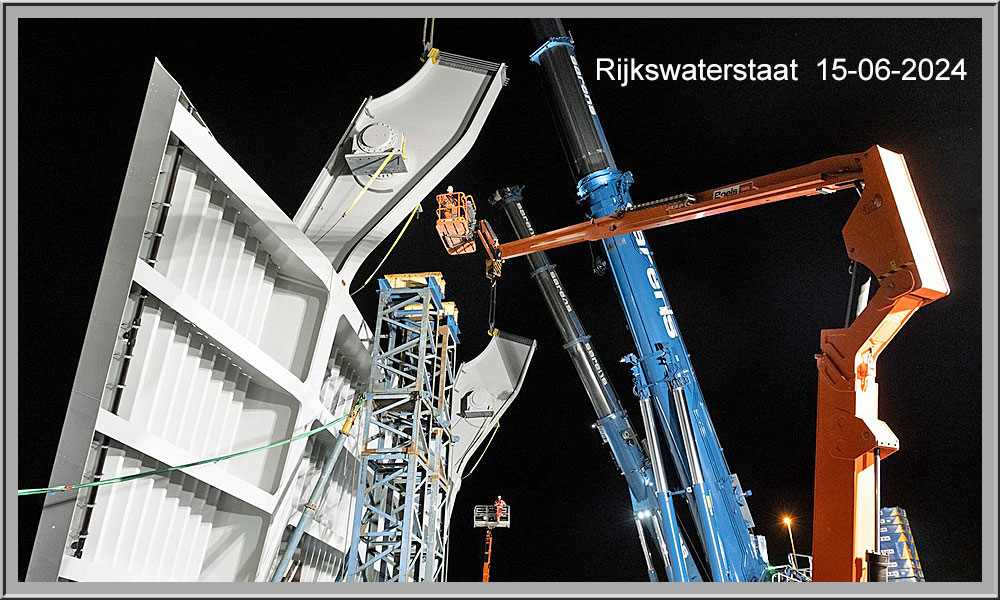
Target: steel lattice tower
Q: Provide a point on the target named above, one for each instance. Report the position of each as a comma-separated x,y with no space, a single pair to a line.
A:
399,532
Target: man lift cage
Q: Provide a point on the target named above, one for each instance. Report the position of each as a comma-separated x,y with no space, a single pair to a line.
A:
490,516
487,515
456,222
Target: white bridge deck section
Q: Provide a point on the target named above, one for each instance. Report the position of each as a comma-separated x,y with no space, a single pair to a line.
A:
238,333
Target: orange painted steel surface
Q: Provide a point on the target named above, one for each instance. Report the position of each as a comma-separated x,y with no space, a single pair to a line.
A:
819,177
456,216
887,233
487,555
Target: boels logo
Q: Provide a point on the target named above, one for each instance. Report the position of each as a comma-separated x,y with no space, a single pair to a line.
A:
732,190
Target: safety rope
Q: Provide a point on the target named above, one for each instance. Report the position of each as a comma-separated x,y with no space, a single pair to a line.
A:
371,180
66,488
396,241
425,42
483,453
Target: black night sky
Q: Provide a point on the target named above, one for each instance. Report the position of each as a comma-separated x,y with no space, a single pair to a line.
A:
751,290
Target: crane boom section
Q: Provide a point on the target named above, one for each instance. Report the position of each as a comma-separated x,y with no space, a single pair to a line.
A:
721,516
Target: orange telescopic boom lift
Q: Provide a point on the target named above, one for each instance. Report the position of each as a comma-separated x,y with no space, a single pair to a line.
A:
458,228
491,517
887,233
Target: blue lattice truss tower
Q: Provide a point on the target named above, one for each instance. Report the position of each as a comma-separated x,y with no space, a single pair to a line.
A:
400,532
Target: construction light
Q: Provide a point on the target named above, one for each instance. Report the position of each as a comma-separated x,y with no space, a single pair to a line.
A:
914,225
787,521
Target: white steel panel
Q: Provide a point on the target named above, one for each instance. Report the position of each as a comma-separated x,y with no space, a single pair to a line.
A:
208,244
218,399
224,386
168,380
440,111
249,300
222,281
189,214
140,364
154,363
167,522
274,306
104,522
281,238
136,548
241,282
201,399
169,454
180,399
257,363
174,229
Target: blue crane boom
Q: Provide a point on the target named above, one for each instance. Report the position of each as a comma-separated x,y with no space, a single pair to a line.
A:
643,472
663,366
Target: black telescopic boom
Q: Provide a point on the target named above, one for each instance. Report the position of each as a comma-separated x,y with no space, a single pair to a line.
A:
575,339
572,106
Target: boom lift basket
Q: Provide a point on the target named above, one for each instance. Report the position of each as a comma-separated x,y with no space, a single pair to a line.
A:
456,222
485,515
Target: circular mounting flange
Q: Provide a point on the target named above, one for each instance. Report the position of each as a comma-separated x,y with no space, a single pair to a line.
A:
376,137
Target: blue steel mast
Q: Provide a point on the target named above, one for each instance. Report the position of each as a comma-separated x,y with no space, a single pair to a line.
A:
664,368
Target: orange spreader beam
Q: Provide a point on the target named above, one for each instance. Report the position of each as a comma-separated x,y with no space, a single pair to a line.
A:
886,233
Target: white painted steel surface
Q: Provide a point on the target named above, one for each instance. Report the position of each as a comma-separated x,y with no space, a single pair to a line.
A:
238,333
440,112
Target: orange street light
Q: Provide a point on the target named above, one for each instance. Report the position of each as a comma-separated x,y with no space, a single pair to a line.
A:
788,523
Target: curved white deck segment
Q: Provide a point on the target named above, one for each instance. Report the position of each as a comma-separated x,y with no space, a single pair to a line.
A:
489,383
440,111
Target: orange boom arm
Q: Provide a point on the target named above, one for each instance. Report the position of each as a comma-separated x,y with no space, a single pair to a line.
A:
824,176
887,233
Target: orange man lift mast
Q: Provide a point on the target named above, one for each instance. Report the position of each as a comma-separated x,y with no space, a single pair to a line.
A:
888,234
499,505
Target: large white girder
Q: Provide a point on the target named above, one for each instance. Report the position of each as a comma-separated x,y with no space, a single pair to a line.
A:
439,113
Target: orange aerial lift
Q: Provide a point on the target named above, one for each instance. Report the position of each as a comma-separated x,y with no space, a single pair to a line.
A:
886,233
458,227
490,517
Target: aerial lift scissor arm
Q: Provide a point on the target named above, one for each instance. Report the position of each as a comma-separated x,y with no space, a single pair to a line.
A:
887,233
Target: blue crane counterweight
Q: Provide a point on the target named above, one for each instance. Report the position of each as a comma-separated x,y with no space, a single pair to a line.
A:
717,503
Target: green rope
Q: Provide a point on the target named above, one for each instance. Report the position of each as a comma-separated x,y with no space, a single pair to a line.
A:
66,488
